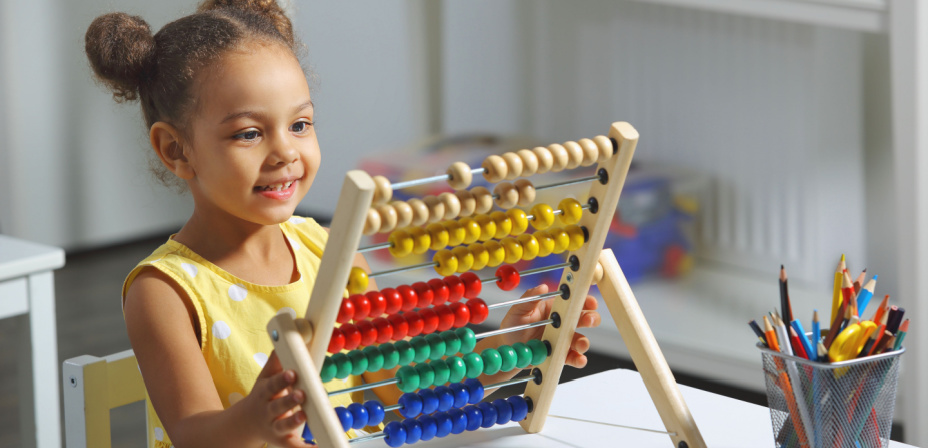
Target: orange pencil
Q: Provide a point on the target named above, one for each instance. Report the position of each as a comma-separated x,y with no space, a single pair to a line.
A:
771,335
878,314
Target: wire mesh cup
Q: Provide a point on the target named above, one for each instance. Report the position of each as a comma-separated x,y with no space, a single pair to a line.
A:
842,404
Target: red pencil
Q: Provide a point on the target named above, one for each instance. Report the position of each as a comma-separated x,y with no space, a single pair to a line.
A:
798,350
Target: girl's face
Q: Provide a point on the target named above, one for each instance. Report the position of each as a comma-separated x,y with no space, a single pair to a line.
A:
253,147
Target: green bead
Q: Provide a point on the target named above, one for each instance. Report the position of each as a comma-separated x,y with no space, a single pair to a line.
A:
409,379
329,369
342,365
406,353
474,364
452,343
523,355
442,372
426,375
374,358
391,356
491,360
437,346
422,348
539,351
458,369
358,362
508,356
468,339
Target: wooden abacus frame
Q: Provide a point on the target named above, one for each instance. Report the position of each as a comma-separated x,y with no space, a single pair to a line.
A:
301,343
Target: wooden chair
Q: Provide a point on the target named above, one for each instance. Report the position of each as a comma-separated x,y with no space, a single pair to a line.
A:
92,387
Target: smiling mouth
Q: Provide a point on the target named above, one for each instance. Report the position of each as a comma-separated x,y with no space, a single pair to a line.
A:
275,187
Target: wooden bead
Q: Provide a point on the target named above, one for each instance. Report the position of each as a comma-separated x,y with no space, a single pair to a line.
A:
545,159
545,243
526,192
577,238
542,216
561,158
468,202
571,211
421,240
372,222
519,220
597,273
388,218
529,162
447,263
420,211
452,205
404,213
495,253
481,256
487,227
513,249
439,235
436,208
513,165
561,239
383,191
503,224
604,144
459,175
484,199
590,152
456,232
530,246
357,281
574,154
507,196
471,230
401,243
494,169
465,258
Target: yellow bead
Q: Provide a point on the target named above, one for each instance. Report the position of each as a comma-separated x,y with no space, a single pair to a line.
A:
519,221
357,281
456,233
481,256
543,216
530,246
471,230
503,224
447,263
487,227
576,237
545,243
401,243
571,211
465,258
439,236
495,253
561,239
421,241
513,249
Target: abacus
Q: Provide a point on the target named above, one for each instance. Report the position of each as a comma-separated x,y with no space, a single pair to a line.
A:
467,235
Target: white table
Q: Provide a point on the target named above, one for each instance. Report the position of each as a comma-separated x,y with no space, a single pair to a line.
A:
27,287
619,397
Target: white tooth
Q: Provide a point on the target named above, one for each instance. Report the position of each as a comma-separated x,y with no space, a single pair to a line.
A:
280,187
288,184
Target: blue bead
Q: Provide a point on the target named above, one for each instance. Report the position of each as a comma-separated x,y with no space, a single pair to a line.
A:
458,421
413,430
503,411
489,414
445,398
429,427
474,417
443,421
429,400
345,417
375,412
307,434
395,434
359,414
475,389
461,395
411,404
519,408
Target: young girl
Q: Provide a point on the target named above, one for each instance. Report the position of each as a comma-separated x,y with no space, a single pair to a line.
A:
230,118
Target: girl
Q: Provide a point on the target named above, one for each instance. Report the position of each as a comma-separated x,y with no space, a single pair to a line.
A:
230,118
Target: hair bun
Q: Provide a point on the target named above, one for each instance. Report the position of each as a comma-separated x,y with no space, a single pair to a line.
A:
120,48
270,9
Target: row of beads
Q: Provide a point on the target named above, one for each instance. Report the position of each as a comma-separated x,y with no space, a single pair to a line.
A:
356,416
400,353
386,217
411,323
436,291
471,365
442,398
540,160
456,421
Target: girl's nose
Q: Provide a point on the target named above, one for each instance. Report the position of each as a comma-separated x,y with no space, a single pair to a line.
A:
283,152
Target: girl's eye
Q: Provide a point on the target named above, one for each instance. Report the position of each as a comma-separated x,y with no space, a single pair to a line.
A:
300,127
247,135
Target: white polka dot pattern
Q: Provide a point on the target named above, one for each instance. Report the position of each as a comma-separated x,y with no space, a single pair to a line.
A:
221,330
288,310
296,220
294,243
191,269
159,434
261,359
237,292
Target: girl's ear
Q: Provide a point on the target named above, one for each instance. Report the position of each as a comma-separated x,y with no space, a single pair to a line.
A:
168,144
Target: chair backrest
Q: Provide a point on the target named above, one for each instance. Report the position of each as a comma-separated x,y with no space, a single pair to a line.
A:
93,386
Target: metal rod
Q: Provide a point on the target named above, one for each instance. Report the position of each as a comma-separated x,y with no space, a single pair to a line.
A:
368,438
375,247
428,180
568,182
540,323
403,269
524,300
365,386
530,272
673,434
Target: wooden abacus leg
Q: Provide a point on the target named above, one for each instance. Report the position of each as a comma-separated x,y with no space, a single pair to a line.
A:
647,355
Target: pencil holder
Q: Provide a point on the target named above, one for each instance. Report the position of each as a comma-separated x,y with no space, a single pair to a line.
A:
842,404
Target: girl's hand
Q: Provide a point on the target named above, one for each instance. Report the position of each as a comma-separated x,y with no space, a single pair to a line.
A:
526,313
272,406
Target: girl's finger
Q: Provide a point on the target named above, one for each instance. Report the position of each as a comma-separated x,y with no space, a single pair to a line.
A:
589,319
273,386
575,359
580,343
285,403
271,367
285,426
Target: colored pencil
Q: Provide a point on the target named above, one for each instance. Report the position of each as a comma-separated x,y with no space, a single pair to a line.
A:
884,341
878,314
847,292
785,308
863,298
836,295
816,328
859,281
894,319
868,345
758,332
796,344
835,326
803,339
771,335
903,329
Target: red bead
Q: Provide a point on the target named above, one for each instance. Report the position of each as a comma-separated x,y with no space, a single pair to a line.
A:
400,326
394,300
384,330
461,314
478,310
416,324
507,277
410,298
424,291
445,317
368,332
362,307
440,291
472,285
337,343
352,336
429,319
345,312
455,288
378,303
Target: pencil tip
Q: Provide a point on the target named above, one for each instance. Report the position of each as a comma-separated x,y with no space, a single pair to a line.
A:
875,276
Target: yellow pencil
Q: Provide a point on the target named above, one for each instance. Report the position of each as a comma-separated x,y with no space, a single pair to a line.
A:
836,296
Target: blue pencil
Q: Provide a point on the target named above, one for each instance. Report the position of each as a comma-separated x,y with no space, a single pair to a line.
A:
816,328
803,339
866,293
